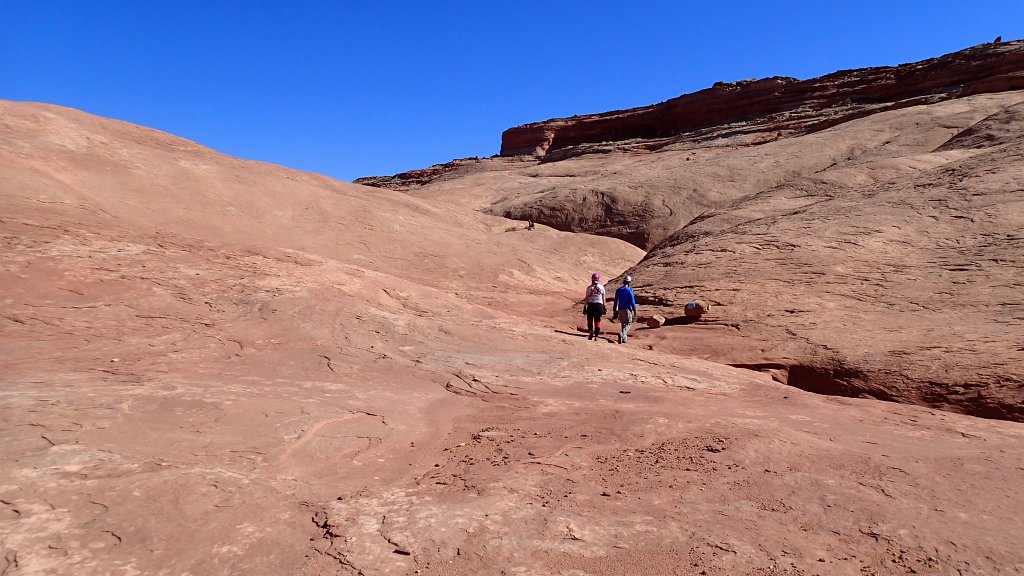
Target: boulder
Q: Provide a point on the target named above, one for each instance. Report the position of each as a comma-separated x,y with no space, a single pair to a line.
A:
696,308
656,321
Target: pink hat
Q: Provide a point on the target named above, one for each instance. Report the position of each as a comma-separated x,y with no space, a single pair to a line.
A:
595,277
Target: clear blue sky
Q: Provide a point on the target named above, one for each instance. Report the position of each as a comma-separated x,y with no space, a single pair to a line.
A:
354,89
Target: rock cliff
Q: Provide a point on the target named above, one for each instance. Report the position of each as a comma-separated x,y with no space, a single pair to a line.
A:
641,174
786,104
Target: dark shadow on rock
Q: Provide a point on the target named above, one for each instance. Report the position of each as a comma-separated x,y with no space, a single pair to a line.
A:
681,320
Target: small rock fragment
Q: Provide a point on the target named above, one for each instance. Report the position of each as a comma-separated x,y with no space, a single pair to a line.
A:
656,321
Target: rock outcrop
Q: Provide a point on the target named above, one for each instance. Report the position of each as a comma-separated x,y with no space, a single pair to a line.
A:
413,178
733,191
641,174
785,104
895,278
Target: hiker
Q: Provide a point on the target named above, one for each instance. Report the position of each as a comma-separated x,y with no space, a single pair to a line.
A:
624,307
594,308
530,225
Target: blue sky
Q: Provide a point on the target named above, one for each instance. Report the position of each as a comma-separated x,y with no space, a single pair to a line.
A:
353,89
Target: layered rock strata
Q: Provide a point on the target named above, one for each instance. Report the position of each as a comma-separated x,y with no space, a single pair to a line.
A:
786,103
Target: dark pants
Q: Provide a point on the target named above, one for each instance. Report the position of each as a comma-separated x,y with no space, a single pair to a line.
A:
594,313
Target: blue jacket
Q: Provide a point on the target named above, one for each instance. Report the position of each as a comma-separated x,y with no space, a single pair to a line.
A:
624,299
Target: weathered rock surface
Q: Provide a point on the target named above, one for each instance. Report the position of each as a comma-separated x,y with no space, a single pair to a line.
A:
642,174
900,278
784,103
912,294
213,366
412,178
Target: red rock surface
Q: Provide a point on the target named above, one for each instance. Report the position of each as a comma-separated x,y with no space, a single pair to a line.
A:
897,279
864,242
785,103
641,174
213,366
900,278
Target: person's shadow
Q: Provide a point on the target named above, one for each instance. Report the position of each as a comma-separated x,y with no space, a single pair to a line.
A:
603,335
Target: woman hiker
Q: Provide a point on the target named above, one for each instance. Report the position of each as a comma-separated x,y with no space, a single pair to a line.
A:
594,308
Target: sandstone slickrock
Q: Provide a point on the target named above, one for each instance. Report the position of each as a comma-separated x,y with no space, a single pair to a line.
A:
900,278
213,366
856,233
642,174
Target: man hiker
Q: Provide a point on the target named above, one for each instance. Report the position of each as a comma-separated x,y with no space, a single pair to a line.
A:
594,308
624,307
